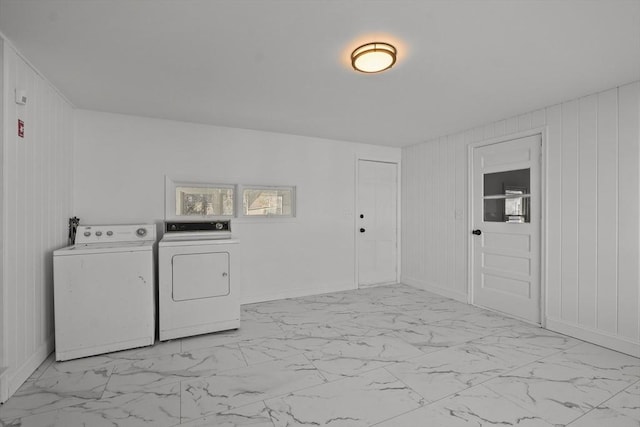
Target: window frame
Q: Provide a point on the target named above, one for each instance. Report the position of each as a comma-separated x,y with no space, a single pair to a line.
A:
270,217
171,202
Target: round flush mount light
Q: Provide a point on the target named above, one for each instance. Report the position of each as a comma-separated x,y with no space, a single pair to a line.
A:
373,57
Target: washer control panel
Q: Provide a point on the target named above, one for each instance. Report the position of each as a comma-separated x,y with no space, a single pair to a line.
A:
87,234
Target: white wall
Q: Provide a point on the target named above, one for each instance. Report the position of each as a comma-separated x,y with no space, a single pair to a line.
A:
593,214
36,203
3,366
121,162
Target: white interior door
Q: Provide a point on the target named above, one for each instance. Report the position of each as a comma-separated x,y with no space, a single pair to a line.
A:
377,222
506,227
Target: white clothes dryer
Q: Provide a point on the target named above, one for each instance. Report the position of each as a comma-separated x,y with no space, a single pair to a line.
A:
198,264
104,290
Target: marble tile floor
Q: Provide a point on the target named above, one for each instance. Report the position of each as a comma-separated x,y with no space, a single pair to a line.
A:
383,356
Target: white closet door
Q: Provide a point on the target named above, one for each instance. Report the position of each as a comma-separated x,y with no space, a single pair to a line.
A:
377,222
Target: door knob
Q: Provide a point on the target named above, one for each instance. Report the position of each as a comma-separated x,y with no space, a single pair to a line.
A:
476,232
362,230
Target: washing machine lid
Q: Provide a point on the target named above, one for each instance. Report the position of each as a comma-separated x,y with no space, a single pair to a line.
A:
101,248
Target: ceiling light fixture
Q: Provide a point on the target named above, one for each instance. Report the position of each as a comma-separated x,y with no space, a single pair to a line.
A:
373,57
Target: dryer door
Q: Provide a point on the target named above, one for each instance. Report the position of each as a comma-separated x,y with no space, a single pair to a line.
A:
202,275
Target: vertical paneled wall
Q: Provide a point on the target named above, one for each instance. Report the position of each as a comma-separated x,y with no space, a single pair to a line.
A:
37,191
2,126
592,214
434,238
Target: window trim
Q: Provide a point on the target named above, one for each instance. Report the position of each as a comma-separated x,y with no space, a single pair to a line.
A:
171,186
270,217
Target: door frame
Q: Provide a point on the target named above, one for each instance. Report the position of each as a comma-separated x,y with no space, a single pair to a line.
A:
542,131
355,217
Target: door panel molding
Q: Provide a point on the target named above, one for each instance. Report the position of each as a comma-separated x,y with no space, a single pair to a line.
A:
543,260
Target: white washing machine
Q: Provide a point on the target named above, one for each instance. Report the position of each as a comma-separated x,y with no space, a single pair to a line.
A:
198,264
104,290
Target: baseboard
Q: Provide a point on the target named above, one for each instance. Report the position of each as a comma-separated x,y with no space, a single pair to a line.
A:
4,385
376,285
296,293
426,286
11,380
604,339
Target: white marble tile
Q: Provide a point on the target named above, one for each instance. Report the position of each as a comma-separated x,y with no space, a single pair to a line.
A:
327,330
157,407
254,415
110,360
591,356
605,418
520,345
428,315
343,297
507,357
442,309
278,347
385,321
445,372
277,309
402,303
312,319
357,401
528,340
239,387
160,348
344,303
622,410
337,302
299,339
266,349
42,368
249,329
400,289
564,386
441,334
84,364
51,393
439,347
305,311
343,358
141,374
492,321
471,408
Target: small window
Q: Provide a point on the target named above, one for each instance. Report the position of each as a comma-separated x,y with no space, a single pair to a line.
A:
214,200
506,196
268,201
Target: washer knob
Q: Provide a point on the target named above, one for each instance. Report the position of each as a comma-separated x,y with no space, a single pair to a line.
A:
219,226
87,233
98,233
109,233
141,232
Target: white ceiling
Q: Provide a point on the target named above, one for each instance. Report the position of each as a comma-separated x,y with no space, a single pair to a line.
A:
283,65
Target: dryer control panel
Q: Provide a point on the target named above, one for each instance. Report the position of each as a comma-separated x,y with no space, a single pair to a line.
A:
197,227
197,230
